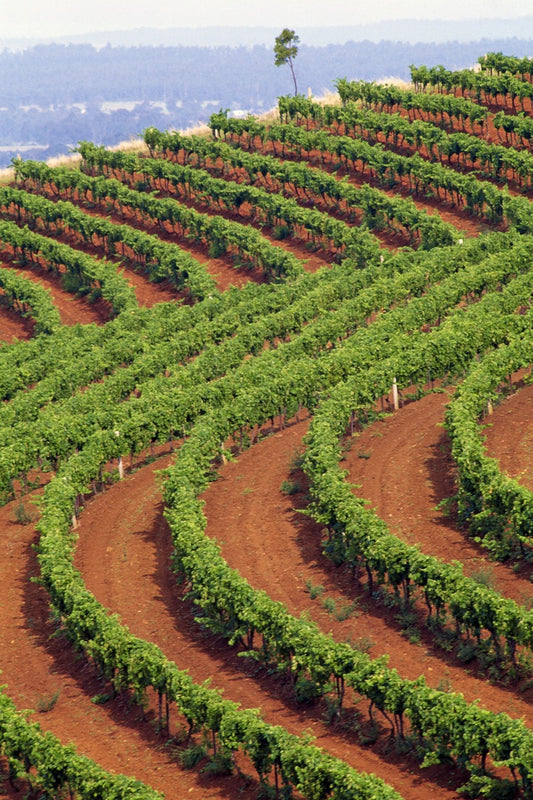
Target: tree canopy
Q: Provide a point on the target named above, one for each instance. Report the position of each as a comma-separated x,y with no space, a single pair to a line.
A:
286,50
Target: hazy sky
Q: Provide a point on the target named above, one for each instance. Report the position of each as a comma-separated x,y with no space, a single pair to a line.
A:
48,18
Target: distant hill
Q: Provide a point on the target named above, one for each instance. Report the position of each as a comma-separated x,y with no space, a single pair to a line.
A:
54,95
402,30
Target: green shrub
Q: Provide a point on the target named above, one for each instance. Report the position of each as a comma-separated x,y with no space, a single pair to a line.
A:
220,763
191,756
290,487
313,589
24,515
217,249
46,702
281,232
306,690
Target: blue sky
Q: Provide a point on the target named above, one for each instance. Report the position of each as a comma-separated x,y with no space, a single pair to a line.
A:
48,18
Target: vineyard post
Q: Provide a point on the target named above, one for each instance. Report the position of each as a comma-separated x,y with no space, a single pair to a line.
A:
395,400
119,460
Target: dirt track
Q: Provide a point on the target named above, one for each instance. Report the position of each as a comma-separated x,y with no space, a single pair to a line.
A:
124,551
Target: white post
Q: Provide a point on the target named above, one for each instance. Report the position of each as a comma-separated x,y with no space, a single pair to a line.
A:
120,468
74,521
395,400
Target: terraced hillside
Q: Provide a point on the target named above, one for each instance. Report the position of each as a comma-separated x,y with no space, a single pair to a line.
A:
254,541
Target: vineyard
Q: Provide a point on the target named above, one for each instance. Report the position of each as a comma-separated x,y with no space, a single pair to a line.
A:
266,488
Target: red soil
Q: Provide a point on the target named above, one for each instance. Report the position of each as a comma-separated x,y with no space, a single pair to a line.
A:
147,293
135,565
461,219
256,523
124,552
403,467
514,451
36,665
13,325
390,240
486,131
72,309
454,162
221,269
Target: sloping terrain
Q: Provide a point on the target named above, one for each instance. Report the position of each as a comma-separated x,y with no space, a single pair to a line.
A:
252,543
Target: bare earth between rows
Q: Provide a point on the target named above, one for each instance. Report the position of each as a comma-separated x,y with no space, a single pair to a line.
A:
124,550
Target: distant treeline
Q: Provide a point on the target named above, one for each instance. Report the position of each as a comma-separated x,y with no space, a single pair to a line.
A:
55,95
